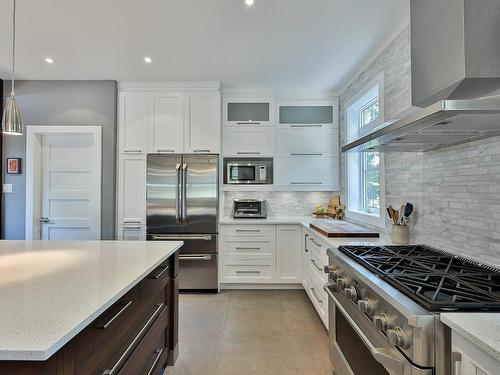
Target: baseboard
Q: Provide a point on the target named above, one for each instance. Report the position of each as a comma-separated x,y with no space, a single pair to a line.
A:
262,286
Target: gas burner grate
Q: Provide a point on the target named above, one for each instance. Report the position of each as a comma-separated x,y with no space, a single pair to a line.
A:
437,280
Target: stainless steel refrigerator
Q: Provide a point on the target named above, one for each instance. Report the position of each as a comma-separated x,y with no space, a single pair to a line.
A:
182,204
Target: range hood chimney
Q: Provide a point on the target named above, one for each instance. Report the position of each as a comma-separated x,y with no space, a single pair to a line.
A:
455,75
455,50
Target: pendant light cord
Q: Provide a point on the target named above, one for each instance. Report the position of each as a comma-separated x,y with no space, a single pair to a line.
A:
12,93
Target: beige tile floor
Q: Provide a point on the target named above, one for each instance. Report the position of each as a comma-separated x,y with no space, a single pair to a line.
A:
250,332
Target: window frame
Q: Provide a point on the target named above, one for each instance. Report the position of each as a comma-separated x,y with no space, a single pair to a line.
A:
355,192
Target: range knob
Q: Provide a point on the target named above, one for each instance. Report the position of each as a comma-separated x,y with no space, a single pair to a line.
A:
381,322
398,337
330,268
341,283
351,293
366,306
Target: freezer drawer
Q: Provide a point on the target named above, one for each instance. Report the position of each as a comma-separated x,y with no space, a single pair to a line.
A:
198,272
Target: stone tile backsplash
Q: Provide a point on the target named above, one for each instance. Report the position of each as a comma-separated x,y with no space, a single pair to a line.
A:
280,203
456,190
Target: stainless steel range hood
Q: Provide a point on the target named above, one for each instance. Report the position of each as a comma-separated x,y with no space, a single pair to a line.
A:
455,77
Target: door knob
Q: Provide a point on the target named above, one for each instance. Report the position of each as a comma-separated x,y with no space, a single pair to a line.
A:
44,220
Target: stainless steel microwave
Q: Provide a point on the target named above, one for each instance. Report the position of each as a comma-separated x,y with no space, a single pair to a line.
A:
248,171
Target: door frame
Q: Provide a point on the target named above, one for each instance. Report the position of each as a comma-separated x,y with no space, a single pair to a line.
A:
33,169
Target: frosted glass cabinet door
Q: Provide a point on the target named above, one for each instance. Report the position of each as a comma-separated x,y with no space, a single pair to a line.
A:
307,115
133,122
244,111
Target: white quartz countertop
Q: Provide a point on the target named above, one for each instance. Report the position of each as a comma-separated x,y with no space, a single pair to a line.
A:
51,290
481,329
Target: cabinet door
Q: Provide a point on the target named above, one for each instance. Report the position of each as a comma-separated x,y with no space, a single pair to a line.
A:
306,114
307,141
203,124
133,122
166,133
289,254
132,233
248,111
132,190
308,172
248,141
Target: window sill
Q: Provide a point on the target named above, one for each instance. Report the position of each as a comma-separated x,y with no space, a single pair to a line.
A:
367,218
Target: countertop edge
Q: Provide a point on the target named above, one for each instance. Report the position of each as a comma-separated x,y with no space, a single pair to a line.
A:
43,355
447,319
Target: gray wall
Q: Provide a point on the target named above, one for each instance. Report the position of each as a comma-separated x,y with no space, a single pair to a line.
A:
62,103
456,190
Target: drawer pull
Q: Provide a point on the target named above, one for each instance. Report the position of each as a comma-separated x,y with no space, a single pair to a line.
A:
314,242
122,310
134,343
160,273
161,151
196,257
180,237
306,126
306,154
201,151
313,291
248,272
155,362
248,248
307,183
132,151
316,265
247,153
248,230
248,123
136,227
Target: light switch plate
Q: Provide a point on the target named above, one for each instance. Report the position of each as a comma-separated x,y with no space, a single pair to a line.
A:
7,188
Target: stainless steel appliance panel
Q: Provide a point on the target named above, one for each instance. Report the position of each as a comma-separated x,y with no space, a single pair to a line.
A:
200,193
193,243
198,272
163,193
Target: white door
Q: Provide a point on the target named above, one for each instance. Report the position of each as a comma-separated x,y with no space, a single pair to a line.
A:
203,129
167,124
70,186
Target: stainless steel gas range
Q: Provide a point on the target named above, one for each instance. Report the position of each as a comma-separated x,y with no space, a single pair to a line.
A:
384,305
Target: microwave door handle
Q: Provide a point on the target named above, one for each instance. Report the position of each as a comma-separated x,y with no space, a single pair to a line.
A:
178,193
390,358
184,190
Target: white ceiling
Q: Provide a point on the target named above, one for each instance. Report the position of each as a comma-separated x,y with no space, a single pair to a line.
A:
289,44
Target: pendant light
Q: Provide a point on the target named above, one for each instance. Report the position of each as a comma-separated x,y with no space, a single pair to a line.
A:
12,122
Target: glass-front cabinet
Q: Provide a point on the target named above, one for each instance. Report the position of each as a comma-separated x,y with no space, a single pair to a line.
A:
248,111
319,113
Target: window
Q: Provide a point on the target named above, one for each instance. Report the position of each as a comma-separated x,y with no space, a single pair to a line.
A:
364,186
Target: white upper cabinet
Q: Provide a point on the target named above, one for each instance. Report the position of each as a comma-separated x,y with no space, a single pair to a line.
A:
203,123
166,132
248,141
303,141
248,111
133,122
305,173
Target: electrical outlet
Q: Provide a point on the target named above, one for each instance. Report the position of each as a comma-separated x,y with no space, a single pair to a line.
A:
7,188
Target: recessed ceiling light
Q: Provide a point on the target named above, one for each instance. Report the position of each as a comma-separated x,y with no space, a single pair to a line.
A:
48,60
249,2
148,60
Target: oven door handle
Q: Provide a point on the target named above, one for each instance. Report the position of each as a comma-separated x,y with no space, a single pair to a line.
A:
390,358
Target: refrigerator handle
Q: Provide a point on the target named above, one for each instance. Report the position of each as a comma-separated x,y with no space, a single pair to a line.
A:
178,193
184,189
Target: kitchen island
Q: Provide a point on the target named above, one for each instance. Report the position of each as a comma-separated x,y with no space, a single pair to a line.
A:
88,307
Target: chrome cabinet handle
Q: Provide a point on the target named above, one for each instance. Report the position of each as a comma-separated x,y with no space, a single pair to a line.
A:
313,290
307,183
132,151
248,230
134,343
122,310
155,362
390,358
195,257
248,123
160,273
184,189
314,242
247,248
132,221
181,237
44,220
131,227
307,126
160,151
248,153
248,272
316,265
307,154
201,150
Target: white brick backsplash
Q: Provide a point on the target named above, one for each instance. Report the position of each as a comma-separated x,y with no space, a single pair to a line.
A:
456,191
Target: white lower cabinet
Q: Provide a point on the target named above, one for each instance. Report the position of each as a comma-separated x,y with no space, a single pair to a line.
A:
131,191
131,233
468,359
260,254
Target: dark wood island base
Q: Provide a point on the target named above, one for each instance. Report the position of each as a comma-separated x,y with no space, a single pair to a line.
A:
138,334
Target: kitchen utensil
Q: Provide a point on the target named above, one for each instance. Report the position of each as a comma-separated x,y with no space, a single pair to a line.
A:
408,209
402,213
396,217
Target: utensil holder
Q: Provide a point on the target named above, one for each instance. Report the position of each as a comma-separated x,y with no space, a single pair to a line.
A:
401,234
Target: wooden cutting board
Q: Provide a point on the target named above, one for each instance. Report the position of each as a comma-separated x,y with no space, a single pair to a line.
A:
342,229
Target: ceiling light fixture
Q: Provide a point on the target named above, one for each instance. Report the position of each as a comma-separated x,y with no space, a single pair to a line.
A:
249,2
48,60
12,122
148,60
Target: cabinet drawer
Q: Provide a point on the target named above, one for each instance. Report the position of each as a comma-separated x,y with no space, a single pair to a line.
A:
150,354
315,244
251,252
318,296
318,266
244,274
156,282
247,230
